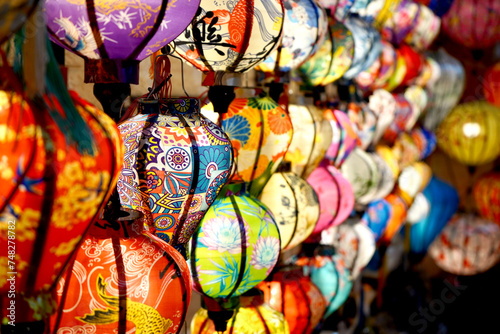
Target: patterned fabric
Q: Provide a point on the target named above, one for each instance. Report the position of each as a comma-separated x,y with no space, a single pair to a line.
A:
364,121
487,196
236,246
175,164
425,30
403,20
491,84
388,60
361,172
402,117
376,216
383,104
344,138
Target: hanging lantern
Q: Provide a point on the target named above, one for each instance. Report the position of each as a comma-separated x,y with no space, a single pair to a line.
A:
114,37
388,170
468,245
376,217
397,77
51,191
354,242
294,205
414,63
417,97
365,79
14,14
425,141
491,84
344,138
365,122
312,136
175,165
135,271
406,150
361,172
425,31
402,22
383,105
402,117
335,194
252,316
487,197
470,132
388,62
342,8
473,23
304,30
397,217
442,200
412,180
290,292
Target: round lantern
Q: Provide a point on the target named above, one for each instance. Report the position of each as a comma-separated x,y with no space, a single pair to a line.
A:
136,271
376,216
412,180
176,163
402,21
425,141
114,37
388,62
344,138
414,63
398,210
470,133
468,245
335,194
304,30
361,172
13,16
426,29
51,190
402,117
487,196
312,136
399,73
366,78
417,97
383,104
365,122
491,84
442,200
224,40
388,172
294,205
252,316
235,247
473,23
290,292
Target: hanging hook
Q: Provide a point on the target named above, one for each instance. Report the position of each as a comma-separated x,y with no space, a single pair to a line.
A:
169,50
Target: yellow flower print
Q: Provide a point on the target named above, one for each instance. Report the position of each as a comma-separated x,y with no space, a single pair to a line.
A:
6,172
65,248
4,262
26,224
295,156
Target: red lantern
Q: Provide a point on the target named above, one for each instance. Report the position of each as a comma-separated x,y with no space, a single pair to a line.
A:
487,196
491,84
414,63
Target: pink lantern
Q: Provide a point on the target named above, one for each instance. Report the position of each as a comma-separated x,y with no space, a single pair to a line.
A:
344,138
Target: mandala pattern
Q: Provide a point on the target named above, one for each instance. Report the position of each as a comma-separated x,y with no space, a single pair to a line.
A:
178,159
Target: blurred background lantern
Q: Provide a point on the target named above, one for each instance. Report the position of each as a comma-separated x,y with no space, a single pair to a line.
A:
388,62
361,172
412,180
442,201
113,37
252,316
342,9
136,271
175,165
365,122
13,15
344,138
294,205
376,216
414,63
439,7
425,31
404,19
487,196
383,105
402,116
468,245
491,84
473,23
417,97
290,292
388,173
397,217
335,194
470,133
398,75
312,136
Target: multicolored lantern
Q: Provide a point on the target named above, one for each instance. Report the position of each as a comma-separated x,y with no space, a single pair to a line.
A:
344,138
425,31
377,216
470,133
402,21
473,23
388,172
51,191
414,63
365,122
491,84
383,104
295,207
290,292
224,40
468,245
361,172
113,37
136,271
402,117
487,196
398,211
175,165
252,316
388,62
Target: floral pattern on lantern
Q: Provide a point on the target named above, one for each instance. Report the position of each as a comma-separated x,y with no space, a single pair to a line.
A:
176,163
425,31
402,22
487,196
344,139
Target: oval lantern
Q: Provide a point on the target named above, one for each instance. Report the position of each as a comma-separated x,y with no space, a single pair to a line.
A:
491,84
470,133
344,138
361,172
443,203
383,104
402,22
402,117
290,292
425,141
294,205
425,30
252,316
376,217
224,41
414,63
365,122
487,196
468,245
175,165
474,24
312,136
398,211
388,61
386,164
51,191
417,97
135,270
114,37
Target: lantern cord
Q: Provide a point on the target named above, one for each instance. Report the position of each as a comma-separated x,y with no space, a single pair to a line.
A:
182,74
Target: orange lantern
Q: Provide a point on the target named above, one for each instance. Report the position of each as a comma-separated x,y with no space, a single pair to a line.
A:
487,196
491,84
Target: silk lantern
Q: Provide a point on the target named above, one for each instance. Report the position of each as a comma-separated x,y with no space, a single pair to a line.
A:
486,196
290,292
383,105
387,174
344,138
113,37
51,191
175,165
365,122
474,24
361,172
425,31
491,84
414,63
376,217
402,21
388,62
468,245
398,211
402,116
136,271
13,16
312,136
418,99
443,203
295,207
252,316
470,132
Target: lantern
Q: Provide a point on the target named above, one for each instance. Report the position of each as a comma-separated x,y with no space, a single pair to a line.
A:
486,196
470,132
344,138
114,37
290,292
402,117
312,136
365,122
397,217
399,73
473,23
425,31
51,190
294,205
388,172
417,97
13,16
136,271
366,78
335,194
439,7
383,104
491,84
414,63
388,59
175,165
252,316
442,200
361,172
425,141
402,21
468,245
376,216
